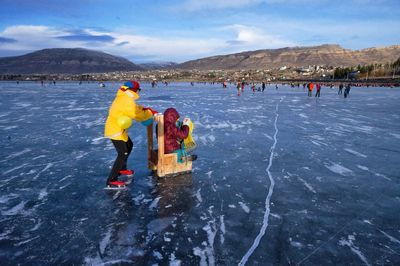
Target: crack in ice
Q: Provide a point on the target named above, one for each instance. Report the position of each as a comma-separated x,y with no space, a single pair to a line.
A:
393,239
354,248
43,170
256,242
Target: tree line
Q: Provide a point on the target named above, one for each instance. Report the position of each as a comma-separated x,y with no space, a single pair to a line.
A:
365,71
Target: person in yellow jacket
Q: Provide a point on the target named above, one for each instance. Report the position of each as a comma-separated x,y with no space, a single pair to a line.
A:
122,110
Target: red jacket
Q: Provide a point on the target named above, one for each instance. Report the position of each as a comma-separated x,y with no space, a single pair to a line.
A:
173,134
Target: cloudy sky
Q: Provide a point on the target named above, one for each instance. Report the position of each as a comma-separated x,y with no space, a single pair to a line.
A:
180,30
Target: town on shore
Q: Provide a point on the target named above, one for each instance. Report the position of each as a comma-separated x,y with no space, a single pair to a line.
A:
379,76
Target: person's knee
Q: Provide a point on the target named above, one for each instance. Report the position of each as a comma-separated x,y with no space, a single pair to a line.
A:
123,153
129,149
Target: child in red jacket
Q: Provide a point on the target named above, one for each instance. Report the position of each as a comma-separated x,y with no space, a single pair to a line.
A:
174,134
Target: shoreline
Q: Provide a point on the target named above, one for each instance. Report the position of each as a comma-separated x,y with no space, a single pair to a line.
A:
292,82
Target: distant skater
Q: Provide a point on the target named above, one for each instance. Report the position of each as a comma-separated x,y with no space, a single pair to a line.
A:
263,86
347,90
243,83
310,87
340,89
238,86
318,93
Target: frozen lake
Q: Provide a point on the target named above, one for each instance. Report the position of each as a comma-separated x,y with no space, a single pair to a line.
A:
281,179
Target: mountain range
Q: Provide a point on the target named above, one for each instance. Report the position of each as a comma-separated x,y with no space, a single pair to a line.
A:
79,61
65,60
158,65
328,55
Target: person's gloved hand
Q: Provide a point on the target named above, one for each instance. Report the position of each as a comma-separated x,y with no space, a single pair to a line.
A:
186,121
147,122
154,112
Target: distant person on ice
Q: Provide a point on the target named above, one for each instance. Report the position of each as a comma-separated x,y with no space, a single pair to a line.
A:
174,134
122,111
238,87
318,93
347,90
310,87
340,89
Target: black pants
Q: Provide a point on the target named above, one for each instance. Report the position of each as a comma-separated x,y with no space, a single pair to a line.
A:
123,149
318,93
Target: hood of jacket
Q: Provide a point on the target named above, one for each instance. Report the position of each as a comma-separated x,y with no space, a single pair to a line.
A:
170,116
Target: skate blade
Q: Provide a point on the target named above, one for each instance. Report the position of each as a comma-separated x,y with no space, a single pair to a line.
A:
128,175
116,188
127,179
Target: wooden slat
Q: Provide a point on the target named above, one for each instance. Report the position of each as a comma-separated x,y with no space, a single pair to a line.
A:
160,139
150,146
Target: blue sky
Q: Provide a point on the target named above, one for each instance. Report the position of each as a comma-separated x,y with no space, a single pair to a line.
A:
181,30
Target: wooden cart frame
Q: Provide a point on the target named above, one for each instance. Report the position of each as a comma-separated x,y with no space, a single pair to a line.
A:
160,163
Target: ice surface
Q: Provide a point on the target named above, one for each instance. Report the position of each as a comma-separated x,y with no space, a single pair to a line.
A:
15,210
354,248
390,237
281,177
339,169
356,153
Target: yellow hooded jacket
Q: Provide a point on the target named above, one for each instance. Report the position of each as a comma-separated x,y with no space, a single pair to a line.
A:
124,105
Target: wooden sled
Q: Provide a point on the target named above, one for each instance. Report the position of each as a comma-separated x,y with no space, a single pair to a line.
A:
160,163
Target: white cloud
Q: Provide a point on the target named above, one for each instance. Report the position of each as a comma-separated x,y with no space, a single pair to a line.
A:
352,34
250,37
31,38
164,48
200,43
135,46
